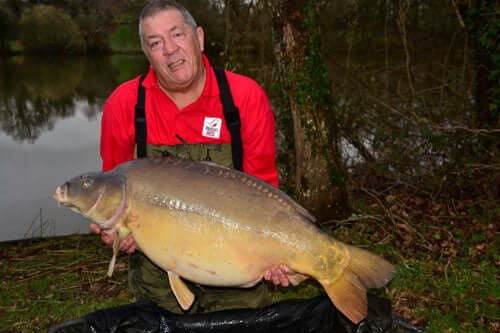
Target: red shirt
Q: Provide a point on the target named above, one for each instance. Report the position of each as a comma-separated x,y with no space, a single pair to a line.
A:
165,120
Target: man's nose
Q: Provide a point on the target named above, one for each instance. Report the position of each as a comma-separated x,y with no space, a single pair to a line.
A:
169,46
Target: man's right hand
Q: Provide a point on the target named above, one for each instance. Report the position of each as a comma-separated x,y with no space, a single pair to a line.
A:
127,245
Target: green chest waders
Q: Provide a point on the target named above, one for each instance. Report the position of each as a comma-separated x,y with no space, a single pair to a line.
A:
149,282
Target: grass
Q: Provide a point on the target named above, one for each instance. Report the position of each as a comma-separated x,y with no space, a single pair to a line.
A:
447,257
446,253
49,281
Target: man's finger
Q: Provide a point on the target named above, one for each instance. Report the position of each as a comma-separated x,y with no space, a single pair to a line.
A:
285,269
94,228
275,277
107,238
131,249
282,278
126,244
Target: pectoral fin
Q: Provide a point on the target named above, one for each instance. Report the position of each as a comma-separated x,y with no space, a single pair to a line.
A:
116,248
120,234
184,296
297,278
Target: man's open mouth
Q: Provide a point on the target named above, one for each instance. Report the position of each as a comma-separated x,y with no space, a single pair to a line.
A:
177,63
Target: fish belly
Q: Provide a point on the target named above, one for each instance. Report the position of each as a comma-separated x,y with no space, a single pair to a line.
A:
205,251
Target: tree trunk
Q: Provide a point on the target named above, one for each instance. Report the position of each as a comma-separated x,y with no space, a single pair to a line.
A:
482,28
227,37
306,94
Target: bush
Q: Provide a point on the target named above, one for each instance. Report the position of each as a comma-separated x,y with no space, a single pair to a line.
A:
49,29
95,28
126,38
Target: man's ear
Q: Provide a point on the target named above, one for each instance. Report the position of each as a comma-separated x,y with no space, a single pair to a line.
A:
201,38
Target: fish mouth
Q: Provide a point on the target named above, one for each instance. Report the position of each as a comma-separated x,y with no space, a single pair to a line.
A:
61,197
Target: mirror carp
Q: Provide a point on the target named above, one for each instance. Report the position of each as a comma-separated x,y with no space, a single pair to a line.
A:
220,227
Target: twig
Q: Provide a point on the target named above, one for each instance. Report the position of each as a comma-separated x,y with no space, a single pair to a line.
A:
446,268
352,25
353,218
484,166
446,59
420,120
459,16
402,15
390,108
448,217
383,240
394,217
387,211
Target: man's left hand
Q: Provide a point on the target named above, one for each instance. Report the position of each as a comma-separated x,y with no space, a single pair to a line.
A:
279,275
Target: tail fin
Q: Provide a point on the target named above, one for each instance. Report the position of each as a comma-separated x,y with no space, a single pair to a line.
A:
365,270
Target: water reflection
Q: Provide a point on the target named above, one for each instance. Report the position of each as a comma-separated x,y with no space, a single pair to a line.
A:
49,132
50,112
36,91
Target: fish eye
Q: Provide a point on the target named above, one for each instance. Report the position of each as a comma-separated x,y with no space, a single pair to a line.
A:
86,182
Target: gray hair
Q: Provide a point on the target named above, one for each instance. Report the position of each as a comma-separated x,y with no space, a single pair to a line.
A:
155,6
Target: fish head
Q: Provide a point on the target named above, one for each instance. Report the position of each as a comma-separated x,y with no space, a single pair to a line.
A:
100,196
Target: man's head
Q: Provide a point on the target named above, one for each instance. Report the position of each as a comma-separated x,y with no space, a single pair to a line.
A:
172,43
155,6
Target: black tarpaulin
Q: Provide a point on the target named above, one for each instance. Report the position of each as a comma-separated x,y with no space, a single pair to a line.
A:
316,315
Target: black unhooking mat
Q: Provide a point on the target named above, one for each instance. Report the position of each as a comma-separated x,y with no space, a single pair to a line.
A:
292,316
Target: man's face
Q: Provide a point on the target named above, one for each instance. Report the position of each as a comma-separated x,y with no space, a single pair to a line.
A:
174,50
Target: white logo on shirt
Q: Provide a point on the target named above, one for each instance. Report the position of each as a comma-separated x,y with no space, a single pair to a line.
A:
211,127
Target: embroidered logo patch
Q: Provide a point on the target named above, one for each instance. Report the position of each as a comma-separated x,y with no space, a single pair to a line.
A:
211,127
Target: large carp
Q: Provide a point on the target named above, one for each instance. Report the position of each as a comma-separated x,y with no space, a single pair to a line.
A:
220,227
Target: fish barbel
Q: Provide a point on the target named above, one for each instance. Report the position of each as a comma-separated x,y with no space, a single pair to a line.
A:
220,227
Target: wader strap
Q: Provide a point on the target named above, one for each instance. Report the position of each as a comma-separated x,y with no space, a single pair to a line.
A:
232,116
140,120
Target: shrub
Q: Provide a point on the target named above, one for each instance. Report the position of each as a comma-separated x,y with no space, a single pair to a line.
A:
95,29
49,29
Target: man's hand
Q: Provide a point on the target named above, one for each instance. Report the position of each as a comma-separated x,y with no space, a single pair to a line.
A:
127,245
279,275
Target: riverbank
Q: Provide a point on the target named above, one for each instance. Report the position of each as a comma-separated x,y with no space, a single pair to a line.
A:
446,255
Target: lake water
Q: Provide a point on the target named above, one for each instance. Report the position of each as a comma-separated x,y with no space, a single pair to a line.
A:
50,112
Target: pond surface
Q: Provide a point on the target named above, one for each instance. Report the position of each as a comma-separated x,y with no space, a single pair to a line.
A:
50,112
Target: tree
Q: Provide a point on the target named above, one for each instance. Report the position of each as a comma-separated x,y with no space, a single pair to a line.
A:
307,100
7,20
49,29
482,22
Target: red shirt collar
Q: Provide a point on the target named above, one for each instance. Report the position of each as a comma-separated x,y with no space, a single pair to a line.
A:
211,88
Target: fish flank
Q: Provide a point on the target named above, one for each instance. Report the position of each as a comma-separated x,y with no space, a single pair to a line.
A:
213,215
215,170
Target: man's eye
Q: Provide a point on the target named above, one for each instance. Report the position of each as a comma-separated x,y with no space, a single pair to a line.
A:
179,35
154,45
85,185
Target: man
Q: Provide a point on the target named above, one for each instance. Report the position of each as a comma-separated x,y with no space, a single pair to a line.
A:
184,114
